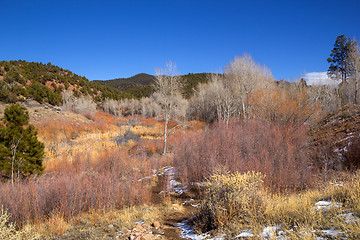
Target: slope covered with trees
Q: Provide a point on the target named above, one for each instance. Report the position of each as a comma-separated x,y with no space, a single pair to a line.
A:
142,85
45,83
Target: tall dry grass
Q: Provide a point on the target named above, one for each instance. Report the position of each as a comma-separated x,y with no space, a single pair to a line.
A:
237,202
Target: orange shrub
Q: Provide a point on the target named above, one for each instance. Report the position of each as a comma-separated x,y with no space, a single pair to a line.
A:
280,106
111,181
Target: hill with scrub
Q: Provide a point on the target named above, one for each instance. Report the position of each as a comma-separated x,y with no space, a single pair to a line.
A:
21,80
141,85
279,160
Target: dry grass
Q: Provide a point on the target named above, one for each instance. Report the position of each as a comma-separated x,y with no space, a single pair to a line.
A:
295,214
231,200
95,222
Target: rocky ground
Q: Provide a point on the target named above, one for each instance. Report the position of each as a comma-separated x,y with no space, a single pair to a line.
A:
40,112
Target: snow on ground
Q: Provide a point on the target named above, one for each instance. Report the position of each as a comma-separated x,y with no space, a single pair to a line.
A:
274,232
245,234
188,232
326,205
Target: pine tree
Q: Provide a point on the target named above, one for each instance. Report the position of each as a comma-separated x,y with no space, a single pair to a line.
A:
339,66
21,152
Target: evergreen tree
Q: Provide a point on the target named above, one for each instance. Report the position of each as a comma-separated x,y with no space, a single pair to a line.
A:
21,152
339,66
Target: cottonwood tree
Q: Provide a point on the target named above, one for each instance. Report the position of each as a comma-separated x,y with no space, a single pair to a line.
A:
227,95
20,150
243,76
168,88
112,106
225,100
203,105
150,107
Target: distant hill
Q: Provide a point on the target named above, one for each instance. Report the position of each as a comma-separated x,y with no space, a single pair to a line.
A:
141,79
20,80
140,85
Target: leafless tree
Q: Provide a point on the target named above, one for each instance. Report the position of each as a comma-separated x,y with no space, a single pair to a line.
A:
326,96
227,94
225,100
168,87
150,107
112,106
203,105
243,76
353,58
132,106
82,105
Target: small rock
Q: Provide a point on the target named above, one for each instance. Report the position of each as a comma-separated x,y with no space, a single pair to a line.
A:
146,237
156,224
138,227
110,226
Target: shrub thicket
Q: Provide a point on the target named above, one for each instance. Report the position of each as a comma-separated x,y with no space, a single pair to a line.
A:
278,152
109,182
352,155
231,200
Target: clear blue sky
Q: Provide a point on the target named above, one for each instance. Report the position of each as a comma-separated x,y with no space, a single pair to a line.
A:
110,39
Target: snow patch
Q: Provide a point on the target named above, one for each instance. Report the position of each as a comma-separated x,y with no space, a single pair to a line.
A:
269,232
245,234
188,232
332,232
326,205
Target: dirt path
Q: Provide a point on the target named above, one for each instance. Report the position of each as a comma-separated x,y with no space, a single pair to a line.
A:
170,221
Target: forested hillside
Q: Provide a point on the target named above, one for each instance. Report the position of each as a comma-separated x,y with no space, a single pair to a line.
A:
45,83
141,85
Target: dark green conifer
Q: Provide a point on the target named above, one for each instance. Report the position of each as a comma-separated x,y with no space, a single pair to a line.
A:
21,153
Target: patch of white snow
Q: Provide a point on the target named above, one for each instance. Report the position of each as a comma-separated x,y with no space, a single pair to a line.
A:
245,234
188,232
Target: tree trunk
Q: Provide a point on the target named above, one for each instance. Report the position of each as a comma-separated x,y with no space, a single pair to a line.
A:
243,106
12,169
167,115
356,91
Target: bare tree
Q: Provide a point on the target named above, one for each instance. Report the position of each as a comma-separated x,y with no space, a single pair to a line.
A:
112,106
168,87
203,105
353,58
132,106
243,76
82,105
150,107
225,101
326,96
227,94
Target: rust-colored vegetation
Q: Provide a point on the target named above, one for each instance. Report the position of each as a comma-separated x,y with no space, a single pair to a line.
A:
278,152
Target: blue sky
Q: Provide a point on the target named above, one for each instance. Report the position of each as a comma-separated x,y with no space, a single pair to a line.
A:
110,39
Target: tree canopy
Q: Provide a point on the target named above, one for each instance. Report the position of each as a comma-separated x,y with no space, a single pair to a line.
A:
21,153
340,67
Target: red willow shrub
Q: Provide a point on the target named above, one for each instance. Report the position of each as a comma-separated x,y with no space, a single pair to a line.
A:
279,152
107,183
